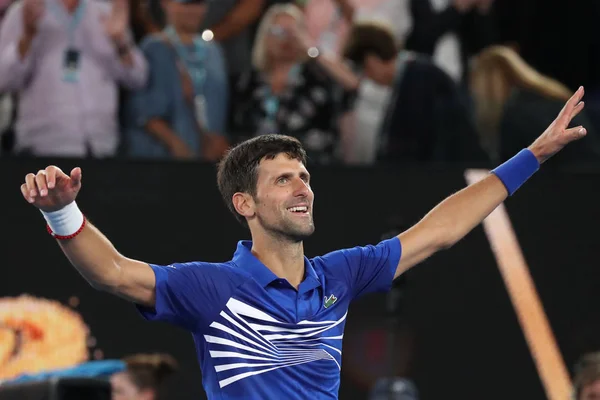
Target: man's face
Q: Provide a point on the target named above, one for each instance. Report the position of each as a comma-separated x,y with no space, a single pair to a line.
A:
379,71
591,391
283,204
124,389
186,17
280,42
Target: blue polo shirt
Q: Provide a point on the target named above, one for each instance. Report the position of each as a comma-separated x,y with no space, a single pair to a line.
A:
259,338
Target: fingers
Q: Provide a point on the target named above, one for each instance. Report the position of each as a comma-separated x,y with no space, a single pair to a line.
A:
576,133
577,109
26,194
31,185
45,180
40,181
574,101
51,175
76,176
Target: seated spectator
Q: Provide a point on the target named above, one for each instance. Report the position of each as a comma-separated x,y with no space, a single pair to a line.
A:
426,119
514,103
586,381
182,111
144,377
64,58
287,91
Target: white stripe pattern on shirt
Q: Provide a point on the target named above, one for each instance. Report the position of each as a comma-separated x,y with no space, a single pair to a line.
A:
283,346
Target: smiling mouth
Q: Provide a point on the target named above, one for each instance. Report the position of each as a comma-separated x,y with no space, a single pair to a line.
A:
300,210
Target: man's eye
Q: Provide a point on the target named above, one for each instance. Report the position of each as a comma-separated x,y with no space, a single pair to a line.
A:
282,180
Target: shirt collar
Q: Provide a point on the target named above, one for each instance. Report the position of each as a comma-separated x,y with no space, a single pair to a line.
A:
244,258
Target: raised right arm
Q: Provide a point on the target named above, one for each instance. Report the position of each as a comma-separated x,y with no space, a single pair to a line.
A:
90,252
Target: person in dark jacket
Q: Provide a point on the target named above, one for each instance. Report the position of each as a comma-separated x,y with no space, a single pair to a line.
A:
427,119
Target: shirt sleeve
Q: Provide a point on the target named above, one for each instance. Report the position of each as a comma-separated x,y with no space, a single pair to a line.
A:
366,269
189,295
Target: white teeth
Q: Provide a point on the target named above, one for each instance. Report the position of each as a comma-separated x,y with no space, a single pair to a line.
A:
298,209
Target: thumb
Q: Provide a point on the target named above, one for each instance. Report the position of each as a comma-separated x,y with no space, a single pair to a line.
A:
76,176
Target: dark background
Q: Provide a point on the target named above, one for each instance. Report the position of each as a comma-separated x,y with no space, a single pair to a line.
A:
454,329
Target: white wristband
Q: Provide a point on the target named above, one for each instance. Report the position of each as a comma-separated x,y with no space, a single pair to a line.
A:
66,221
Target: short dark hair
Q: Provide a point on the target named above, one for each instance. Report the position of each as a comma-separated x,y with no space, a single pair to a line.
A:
587,371
370,37
238,169
149,371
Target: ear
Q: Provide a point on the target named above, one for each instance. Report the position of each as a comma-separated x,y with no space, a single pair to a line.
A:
244,204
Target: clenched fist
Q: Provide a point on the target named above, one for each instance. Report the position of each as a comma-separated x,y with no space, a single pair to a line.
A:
51,189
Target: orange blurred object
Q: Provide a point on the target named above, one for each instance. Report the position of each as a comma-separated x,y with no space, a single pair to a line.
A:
39,335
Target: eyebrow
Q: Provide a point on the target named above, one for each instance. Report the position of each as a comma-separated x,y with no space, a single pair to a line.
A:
290,174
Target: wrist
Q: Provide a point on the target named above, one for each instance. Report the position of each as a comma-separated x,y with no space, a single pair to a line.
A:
122,44
538,152
66,222
516,171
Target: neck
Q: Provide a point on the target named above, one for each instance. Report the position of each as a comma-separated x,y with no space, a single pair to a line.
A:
281,67
283,257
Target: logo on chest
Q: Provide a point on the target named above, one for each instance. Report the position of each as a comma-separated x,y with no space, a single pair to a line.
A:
328,301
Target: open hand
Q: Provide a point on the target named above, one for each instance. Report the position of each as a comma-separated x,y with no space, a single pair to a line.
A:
116,23
558,134
51,189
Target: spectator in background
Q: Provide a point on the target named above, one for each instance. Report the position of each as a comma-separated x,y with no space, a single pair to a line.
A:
587,377
64,59
181,113
233,23
514,103
142,25
144,377
451,32
287,91
6,102
140,21
328,22
426,118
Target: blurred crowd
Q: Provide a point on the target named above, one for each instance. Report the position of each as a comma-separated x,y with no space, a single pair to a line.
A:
357,81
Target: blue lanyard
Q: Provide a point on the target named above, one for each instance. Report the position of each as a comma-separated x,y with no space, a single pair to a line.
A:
194,62
72,21
271,101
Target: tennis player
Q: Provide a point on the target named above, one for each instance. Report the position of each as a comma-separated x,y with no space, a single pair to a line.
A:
269,323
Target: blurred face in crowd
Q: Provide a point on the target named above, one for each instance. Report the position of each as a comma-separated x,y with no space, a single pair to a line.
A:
124,389
283,203
591,391
379,71
187,16
280,43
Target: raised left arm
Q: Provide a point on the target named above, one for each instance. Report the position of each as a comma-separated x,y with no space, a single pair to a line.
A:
245,13
457,215
129,65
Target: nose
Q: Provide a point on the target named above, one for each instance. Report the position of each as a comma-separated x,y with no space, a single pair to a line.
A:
301,188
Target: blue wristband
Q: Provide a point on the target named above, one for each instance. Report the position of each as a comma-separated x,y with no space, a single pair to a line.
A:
515,172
